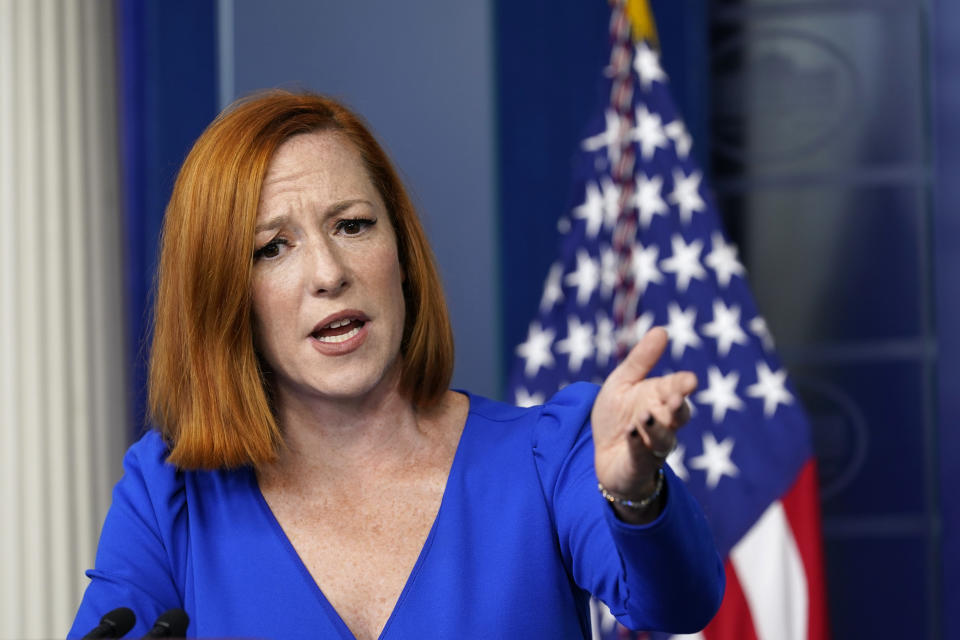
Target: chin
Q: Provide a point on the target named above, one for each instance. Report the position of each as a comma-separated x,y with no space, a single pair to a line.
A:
348,393
345,385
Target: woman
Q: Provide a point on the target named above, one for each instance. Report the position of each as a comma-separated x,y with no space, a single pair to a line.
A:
313,475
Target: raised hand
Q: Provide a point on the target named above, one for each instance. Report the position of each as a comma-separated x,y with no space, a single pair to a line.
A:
635,420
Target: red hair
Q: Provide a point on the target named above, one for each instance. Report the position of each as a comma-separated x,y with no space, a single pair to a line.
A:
207,391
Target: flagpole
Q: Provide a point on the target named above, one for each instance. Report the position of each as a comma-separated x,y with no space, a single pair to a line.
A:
621,99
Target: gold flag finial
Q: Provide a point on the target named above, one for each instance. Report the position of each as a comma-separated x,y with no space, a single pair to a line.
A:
641,21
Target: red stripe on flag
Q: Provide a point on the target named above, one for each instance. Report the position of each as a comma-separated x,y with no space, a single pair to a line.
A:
733,621
802,507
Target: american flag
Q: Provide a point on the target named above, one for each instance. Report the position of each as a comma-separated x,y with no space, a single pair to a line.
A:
642,245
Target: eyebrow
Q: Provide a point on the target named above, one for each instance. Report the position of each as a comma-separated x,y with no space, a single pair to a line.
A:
332,210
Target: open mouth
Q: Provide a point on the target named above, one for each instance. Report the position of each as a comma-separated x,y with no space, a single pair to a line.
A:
338,330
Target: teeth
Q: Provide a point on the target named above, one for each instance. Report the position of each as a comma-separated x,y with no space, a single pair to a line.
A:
341,338
337,323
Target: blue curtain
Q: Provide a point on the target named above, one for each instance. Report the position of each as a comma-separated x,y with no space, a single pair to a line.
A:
167,71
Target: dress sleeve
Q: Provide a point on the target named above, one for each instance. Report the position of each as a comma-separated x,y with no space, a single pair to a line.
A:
662,576
139,546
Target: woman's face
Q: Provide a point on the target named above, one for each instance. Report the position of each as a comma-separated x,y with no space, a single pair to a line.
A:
327,286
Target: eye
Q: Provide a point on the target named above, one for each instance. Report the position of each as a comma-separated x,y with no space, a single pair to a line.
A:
269,250
354,226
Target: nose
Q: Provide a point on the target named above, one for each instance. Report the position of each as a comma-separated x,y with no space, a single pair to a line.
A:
328,270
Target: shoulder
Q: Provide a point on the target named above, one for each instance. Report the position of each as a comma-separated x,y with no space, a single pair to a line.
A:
141,557
146,462
552,428
572,403
150,487
148,453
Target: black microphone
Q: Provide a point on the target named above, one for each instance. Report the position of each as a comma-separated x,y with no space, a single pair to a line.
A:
172,623
114,624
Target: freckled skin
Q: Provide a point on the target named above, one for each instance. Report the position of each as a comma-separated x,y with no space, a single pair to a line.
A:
316,182
359,483
361,537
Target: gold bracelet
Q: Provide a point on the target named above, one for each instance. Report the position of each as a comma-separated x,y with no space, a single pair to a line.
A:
639,505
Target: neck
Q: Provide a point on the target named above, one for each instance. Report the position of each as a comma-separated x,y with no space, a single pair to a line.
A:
334,435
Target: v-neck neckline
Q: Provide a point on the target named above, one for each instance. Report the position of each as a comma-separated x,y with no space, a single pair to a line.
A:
332,614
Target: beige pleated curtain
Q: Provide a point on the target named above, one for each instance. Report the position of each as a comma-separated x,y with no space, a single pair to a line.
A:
62,395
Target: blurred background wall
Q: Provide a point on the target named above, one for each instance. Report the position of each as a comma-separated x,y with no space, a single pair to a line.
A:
823,157
828,127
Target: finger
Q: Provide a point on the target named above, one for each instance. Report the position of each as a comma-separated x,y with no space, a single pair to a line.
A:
662,414
682,382
673,401
676,385
673,388
641,358
640,445
659,440
674,413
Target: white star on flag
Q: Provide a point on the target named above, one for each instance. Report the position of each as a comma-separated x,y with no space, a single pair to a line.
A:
649,132
682,141
524,399
680,329
643,266
552,291
605,342
721,393
608,270
759,328
686,194
723,259
647,65
648,199
772,387
591,211
611,202
536,350
715,459
585,278
630,335
578,344
725,327
685,261
609,138
675,460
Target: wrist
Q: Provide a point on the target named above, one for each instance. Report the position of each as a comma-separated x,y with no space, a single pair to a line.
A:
642,508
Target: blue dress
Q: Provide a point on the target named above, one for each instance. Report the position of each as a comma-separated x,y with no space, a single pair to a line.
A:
521,539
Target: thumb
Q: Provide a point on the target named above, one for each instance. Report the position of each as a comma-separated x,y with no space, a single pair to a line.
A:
642,358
